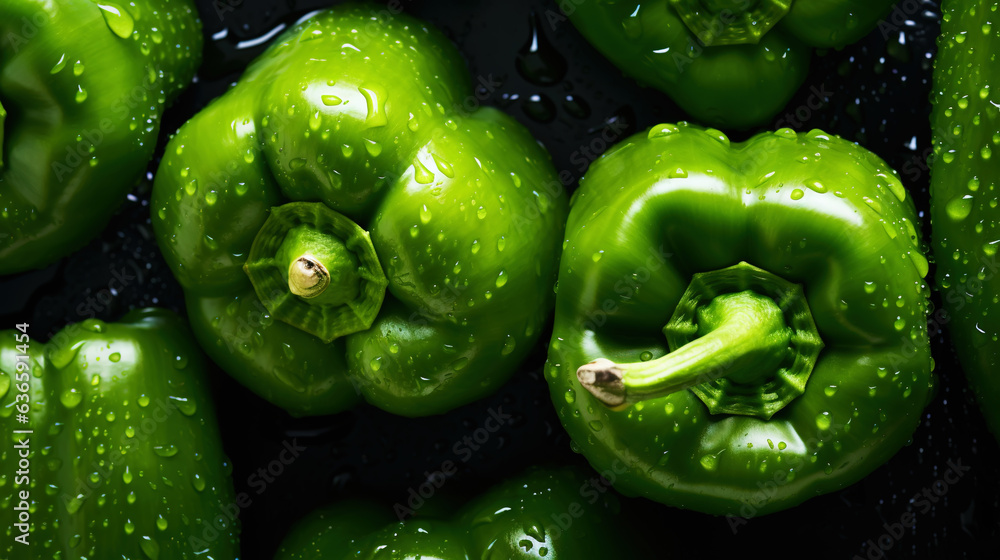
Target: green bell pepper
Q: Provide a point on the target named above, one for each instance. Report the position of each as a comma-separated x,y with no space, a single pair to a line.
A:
740,327
83,86
964,213
730,63
347,220
543,514
124,459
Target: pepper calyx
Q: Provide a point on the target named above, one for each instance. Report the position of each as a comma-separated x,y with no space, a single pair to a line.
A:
730,22
317,270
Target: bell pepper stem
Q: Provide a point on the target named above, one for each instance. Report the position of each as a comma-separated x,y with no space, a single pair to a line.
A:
307,277
744,338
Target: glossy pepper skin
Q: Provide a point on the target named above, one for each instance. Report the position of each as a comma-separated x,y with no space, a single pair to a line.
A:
346,222
964,176
126,459
83,86
807,363
544,514
732,63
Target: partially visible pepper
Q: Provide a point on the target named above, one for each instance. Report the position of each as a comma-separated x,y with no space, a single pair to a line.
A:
728,63
544,514
83,86
965,175
125,458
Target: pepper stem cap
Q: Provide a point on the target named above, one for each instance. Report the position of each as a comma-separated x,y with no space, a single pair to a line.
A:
741,339
316,270
730,22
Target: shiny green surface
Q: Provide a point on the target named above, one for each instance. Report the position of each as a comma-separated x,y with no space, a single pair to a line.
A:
84,85
376,119
126,459
732,64
964,177
543,514
811,208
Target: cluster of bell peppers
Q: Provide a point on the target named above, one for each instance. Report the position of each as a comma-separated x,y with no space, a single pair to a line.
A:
728,315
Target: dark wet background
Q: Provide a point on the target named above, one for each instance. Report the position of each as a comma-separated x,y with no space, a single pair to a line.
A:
875,92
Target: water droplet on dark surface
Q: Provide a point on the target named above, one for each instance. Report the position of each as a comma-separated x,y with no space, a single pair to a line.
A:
538,61
539,107
622,121
576,106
